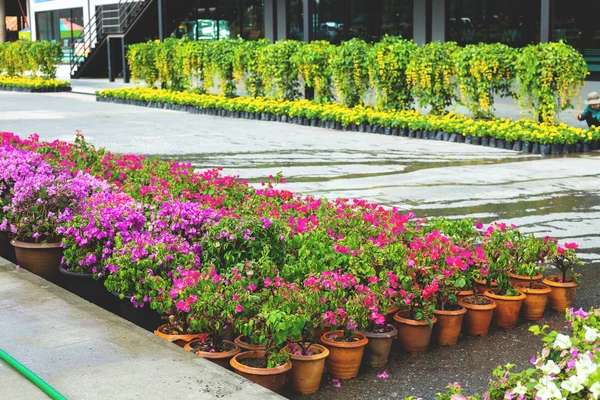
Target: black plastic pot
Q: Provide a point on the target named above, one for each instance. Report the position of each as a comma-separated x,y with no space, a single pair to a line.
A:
492,142
568,148
375,129
586,148
86,287
446,136
578,147
508,145
500,144
314,122
144,317
545,149
468,139
395,132
476,140
404,131
460,139
439,136
412,134
517,145
419,134
556,149
535,148
387,130
526,147
452,137
485,141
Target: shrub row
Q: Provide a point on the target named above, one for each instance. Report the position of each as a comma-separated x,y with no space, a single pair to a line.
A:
23,58
400,74
37,84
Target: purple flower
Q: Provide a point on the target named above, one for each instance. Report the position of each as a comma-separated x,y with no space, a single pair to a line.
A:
383,375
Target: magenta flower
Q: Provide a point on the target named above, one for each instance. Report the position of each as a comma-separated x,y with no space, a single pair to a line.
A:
239,308
383,375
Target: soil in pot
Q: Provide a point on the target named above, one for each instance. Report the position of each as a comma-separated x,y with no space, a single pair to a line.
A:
221,356
245,345
478,317
562,293
449,323
7,251
414,335
506,314
379,346
175,335
536,297
307,370
41,259
463,293
344,356
270,378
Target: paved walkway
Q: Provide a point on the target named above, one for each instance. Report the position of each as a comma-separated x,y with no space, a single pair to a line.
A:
85,352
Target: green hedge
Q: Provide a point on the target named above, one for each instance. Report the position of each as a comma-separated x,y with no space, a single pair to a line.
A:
26,59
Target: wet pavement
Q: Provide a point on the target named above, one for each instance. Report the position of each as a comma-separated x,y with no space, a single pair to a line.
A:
559,196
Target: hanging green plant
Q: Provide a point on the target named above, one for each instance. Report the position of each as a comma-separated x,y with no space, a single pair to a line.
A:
192,63
246,65
350,68
431,76
313,65
484,71
219,60
279,71
141,58
169,64
550,75
389,59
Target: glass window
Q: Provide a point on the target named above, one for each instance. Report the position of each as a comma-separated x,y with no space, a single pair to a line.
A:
253,21
576,22
513,22
331,19
59,26
228,18
295,19
397,18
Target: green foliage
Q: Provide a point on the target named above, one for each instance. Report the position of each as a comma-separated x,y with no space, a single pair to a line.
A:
279,70
313,64
169,64
387,68
246,65
350,68
221,57
142,65
23,58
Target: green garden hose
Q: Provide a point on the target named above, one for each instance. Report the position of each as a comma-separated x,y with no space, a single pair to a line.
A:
49,390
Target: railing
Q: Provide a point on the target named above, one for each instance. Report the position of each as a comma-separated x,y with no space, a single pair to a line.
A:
105,21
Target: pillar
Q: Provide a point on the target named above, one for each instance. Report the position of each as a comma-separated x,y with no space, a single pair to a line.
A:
281,19
2,21
438,20
307,21
419,22
545,22
270,27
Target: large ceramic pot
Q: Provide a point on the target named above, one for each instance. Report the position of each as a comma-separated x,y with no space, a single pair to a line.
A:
245,345
482,287
536,297
517,279
506,314
7,251
179,340
562,293
379,346
86,287
42,259
344,357
478,317
144,317
463,293
221,358
270,378
447,329
414,335
306,373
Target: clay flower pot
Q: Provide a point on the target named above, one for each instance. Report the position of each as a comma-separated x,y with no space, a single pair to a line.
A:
516,279
414,335
379,346
221,358
449,323
306,373
344,357
270,378
179,340
41,259
506,314
562,294
536,298
242,341
463,293
7,251
478,317
481,285
389,315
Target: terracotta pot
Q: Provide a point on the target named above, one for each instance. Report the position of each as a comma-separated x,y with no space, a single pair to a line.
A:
317,333
478,317
7,251
414,335
247,346
222,359
463,293
447,329
306,373
536,298
41,259
270,378
516,279
378,348
229,333
562,294
481,285
506,314
344,357
179,340
391,311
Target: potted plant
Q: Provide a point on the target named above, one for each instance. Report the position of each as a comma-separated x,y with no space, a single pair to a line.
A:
176,331
563,286
498,244
528,257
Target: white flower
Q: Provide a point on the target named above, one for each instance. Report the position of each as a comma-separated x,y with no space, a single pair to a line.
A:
562,342
550,368
519,389
591,334
573,384
584,367
595,390
547,389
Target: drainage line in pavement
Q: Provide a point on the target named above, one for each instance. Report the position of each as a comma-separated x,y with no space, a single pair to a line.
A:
49,390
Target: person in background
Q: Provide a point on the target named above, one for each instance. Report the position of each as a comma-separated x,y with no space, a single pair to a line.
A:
591,114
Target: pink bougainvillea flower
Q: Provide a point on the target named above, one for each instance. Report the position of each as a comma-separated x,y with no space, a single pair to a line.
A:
383,375
479,225
239,308
336,383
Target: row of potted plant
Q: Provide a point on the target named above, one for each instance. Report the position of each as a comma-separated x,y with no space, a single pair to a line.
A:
287,273
30,59
566,368
27,84
521,135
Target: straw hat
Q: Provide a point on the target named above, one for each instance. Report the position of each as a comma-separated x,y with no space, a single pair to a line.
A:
593,98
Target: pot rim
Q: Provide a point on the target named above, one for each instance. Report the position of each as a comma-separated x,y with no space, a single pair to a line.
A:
524,287
451,312
280,369
490,294
65,271
171,338
383,335
551,283
537,277
313,357
478,307
216,355
484,281
27,245
359,343
257,347
406,321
